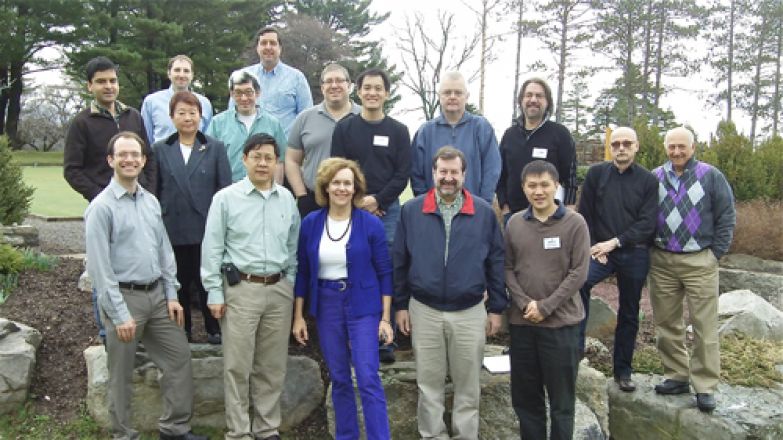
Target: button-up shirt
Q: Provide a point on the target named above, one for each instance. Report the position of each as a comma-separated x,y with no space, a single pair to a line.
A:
255,232
284,92
127,242
447,212
157,120
227,128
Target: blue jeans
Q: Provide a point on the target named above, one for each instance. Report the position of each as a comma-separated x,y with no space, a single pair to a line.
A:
347,341
389,226
97,313
631,266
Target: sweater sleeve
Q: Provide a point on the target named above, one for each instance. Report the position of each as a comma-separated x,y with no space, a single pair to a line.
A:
496,287
587,200
643,227
419,162
74,159
490,161
402,169
723,213
401,263
517,293
500,191
567,168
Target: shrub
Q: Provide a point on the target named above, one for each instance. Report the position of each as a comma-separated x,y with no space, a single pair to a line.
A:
15,196
11,260
758,230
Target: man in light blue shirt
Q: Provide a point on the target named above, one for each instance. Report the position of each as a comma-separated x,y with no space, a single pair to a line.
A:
285,92
456,127
132,267
155,108
251,236
234,126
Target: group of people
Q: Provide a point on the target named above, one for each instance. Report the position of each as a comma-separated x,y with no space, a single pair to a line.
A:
276,208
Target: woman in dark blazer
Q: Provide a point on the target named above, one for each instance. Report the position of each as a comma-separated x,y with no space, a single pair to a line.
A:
192,167
345,273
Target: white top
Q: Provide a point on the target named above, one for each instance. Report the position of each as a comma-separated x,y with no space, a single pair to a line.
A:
247,120
332,262
186,150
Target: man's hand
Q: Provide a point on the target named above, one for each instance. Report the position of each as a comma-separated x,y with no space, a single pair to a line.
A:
494,321
385,332
532,314
403,322
370,204
299,330
176,313
599,251
217,310
127,330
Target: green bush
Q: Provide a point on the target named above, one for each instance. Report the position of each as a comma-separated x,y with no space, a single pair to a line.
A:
11,260
15,196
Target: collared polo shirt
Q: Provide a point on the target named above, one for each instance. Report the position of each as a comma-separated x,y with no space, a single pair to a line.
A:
447,212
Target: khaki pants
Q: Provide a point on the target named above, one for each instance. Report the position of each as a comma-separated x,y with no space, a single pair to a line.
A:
167,347
448,343
693,276
255,354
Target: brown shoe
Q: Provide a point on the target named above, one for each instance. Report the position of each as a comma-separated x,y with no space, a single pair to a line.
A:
625,384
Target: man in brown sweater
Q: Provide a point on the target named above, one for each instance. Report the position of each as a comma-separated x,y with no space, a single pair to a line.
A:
547,259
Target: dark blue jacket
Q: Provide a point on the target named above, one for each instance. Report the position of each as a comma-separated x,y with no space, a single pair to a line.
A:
367,254
475,262
185,190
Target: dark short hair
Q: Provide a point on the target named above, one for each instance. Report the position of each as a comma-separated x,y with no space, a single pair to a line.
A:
126,135
374,71
184,97
538,167
547,93
241,77
448,153
269,30
257,140
176,58
99,64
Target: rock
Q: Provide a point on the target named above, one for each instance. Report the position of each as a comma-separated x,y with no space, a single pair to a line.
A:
591,389
18,345
742,311
751,263
497,417
593,345
767,285
602,319
19,235
85,282
742,413
302,393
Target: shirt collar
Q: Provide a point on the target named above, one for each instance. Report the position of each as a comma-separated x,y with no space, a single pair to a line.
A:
119,107
118,190
443,121
558,214
458,201
247,186
429,204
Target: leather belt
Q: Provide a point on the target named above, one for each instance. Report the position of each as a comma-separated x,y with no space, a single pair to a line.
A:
268,280
141,287
339,285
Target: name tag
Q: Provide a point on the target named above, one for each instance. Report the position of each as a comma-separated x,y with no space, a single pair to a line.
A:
380,141
552,243
539,153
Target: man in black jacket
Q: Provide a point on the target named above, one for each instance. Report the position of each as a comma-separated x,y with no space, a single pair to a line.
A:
535,137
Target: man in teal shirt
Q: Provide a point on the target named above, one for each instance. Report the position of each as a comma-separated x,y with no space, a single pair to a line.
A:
252,230
235,125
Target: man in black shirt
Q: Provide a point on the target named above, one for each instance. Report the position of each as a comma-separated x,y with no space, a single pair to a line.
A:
535,137
619,203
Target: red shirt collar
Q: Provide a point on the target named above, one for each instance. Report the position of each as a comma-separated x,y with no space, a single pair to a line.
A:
430,205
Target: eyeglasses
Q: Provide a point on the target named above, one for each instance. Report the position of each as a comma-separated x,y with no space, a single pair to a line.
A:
333,81
258,158
626,144
244,93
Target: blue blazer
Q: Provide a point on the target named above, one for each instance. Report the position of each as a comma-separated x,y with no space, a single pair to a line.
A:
367,254
185,190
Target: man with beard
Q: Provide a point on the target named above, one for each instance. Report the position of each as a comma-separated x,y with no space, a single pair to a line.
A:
535,137
618,202
448,251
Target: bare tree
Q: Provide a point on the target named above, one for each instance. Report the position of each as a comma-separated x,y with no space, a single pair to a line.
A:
428,51
487,13
520,28
46,115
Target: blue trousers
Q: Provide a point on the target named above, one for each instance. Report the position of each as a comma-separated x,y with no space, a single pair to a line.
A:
347,341
389,226
97,314
631,266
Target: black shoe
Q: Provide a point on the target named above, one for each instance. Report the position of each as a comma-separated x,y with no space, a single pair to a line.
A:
705,402
671,386
189,336
214,339
386,356
625,384
188,436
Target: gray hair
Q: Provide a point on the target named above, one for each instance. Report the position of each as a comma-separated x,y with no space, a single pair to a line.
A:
453,76
334,67
680,130
241,77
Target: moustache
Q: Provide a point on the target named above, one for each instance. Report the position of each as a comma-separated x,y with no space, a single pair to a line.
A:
447,182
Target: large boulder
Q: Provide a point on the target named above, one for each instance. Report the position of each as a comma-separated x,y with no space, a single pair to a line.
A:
602,319
19,235
591,389
742,311
18,344
302,393
497,417
742,413
763,277
751,263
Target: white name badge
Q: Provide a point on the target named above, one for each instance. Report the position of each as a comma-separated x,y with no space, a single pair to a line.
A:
539,153
552,243
380,141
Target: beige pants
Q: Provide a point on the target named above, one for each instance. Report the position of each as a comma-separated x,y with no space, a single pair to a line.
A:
692,276
168,349
255,353
448,343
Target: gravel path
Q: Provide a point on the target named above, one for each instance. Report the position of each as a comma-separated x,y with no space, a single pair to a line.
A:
60,237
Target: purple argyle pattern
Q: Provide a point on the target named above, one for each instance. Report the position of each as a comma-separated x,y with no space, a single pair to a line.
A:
679,209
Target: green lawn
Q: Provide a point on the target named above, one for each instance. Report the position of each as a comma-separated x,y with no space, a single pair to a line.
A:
53,196
33,158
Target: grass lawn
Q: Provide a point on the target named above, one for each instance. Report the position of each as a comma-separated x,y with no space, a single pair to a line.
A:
32,158
53,196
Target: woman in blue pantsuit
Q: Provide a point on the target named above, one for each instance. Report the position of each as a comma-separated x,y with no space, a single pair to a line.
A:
345,273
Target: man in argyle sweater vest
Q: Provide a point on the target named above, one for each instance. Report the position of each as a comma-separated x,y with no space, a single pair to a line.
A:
694,228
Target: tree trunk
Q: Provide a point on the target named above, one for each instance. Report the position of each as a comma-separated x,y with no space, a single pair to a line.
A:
14,105
483,60
778,54
514,105
563,56
3,96
659,61
730,71
757,80
648,24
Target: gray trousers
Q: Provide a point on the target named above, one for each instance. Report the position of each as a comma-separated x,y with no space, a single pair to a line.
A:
167,347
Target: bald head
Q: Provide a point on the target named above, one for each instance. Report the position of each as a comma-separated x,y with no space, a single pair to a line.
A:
624,147
680,134
621,133
680,147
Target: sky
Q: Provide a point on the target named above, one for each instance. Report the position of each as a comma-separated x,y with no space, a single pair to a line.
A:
689,100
